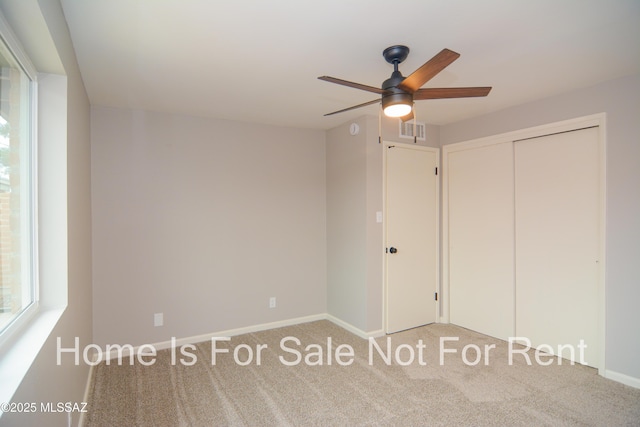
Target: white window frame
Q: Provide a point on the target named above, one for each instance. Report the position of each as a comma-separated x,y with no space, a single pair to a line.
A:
27,335
29,227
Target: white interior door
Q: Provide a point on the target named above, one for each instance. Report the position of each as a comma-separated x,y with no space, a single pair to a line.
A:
481,239
557,241
412,231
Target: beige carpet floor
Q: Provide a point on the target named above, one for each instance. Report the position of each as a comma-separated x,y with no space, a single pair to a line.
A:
365,392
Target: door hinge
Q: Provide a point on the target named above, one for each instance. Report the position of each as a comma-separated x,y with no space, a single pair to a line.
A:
435,296
436,171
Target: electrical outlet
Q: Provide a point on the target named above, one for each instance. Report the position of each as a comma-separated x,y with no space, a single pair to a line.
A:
272,302
158,319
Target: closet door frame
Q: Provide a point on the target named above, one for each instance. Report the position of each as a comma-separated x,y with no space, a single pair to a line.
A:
596,120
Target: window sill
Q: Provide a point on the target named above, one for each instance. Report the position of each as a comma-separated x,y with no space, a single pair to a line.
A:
20,350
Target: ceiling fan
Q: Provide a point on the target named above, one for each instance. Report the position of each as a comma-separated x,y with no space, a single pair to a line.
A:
399,92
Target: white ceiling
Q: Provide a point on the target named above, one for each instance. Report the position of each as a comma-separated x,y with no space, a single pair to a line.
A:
258,60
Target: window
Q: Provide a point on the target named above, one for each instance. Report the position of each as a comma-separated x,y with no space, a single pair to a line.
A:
24,103
18,291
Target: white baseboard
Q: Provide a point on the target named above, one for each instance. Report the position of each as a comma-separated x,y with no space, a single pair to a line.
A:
357,331
240,331
128,350
206,337
622,378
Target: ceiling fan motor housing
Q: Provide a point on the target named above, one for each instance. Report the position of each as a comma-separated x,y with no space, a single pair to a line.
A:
394,95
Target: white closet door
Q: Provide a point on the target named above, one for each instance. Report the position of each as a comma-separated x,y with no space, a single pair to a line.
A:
481,239
557,206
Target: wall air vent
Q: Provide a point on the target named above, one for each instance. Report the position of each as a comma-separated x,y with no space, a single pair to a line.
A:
406,130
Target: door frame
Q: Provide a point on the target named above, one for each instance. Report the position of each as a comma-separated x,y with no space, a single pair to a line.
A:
438,289
595,120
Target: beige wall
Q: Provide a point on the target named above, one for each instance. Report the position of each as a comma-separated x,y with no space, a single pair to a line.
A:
203,220
175,196
346,226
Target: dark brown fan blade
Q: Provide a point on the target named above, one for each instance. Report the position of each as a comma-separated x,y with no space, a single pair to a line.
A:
354,107
352,84
450,92
407,117
428,70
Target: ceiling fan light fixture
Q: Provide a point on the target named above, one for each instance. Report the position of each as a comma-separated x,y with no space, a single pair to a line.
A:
397,105
397,110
